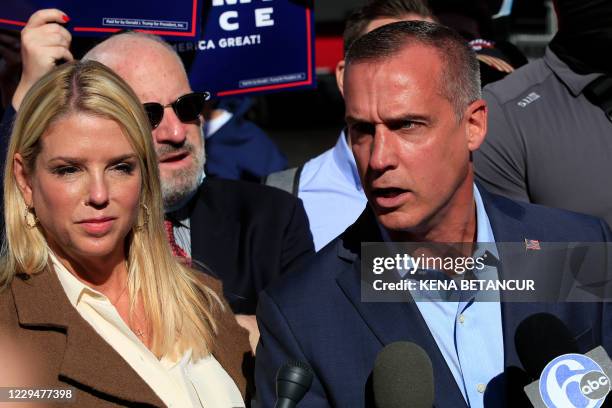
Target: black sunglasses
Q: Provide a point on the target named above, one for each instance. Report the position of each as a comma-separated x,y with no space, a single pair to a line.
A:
187,108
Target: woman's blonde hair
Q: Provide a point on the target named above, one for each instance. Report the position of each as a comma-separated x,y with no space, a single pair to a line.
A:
178,306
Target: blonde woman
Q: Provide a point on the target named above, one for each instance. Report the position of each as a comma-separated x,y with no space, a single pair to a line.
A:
90,289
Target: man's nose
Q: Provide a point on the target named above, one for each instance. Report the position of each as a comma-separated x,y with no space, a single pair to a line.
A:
383,153
170,130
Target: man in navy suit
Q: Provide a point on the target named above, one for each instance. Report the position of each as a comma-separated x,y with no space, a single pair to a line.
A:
414,115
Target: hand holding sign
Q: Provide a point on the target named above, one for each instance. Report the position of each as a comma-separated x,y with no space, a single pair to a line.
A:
43,42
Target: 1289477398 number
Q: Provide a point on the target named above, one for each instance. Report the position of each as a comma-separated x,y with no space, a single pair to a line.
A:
14,394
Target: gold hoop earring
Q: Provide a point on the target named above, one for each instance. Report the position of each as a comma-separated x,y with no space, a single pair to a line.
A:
145,216
31,220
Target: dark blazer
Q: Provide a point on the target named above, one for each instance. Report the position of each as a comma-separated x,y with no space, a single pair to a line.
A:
57,348
317,316
246,234
240,150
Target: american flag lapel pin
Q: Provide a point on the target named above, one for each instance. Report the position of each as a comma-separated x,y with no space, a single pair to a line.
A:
532,244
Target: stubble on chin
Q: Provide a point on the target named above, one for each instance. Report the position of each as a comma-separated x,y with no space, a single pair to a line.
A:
178,184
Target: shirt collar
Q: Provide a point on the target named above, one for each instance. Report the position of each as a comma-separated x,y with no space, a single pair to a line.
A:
180,217
575,82
484,232
213,125
343,156
73,287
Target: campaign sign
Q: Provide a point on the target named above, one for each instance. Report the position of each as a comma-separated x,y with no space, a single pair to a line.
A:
230,47
251,46
93,17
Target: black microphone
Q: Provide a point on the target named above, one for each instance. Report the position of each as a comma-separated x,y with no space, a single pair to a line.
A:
293,380
403,377
541,338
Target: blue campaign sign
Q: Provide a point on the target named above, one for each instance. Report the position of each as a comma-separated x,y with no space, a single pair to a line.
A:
103,17
231,47
250,46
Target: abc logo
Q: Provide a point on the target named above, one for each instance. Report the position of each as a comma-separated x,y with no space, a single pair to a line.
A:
595,385
572,381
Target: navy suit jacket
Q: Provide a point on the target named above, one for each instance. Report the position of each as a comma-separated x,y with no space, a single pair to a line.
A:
316,315
240,150
247,235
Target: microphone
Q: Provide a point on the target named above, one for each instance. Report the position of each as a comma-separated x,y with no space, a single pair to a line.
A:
564,377
403,377
539,339
293,380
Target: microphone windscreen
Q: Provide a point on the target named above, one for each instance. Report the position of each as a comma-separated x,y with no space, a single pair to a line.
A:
541,338
293,380
403,377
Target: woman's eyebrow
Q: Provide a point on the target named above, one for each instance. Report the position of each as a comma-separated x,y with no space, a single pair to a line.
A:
77,160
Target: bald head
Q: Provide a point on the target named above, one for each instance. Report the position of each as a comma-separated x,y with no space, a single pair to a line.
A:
139,58
119,46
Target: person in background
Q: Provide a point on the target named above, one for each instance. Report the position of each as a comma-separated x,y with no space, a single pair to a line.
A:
243,233
549,137
86,264
473,20
237,148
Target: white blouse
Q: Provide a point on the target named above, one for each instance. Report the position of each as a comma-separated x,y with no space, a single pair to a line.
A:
183,383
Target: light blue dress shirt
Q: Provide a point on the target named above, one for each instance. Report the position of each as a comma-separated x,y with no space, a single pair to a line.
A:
469,333
331,191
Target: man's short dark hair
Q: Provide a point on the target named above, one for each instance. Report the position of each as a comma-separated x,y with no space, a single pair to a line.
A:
359,19
460,82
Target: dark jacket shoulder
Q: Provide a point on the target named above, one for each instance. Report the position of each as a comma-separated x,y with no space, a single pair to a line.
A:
518,83
513,221
222,194
248,234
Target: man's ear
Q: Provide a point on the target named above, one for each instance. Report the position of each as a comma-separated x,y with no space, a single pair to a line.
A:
476,124
340,77
23,179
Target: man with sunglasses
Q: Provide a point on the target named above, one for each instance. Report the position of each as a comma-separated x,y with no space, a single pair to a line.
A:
244,233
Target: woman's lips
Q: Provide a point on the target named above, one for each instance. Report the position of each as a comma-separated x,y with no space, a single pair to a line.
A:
97,226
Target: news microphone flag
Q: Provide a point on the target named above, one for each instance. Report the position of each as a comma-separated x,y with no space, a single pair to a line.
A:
573,381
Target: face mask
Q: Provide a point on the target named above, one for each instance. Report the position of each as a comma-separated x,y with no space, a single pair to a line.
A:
585,34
